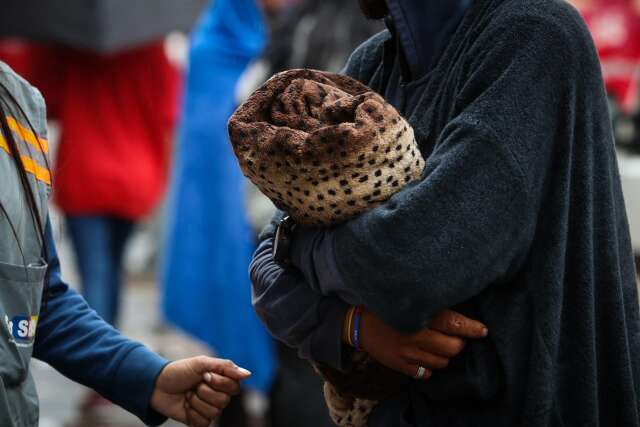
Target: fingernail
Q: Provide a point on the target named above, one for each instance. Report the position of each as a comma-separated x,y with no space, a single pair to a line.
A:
208,377
244,371
485,332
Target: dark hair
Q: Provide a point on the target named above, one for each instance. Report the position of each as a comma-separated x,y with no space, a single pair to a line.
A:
7,100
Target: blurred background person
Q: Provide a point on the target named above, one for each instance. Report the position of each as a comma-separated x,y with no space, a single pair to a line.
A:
212,218
115,100
117,114
206,289
299,39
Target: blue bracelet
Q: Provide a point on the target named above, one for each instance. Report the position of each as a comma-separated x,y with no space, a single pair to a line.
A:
357,315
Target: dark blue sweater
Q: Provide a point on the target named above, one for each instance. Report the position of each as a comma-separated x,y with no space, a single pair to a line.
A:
518,222
75,341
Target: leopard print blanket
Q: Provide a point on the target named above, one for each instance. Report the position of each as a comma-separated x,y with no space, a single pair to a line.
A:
325,148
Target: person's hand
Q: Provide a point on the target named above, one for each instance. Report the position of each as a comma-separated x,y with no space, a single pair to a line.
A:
195,391
431,348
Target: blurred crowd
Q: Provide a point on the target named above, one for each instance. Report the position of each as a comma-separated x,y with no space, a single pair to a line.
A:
144,136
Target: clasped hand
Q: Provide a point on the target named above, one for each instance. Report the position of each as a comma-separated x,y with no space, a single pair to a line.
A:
195,391
432,348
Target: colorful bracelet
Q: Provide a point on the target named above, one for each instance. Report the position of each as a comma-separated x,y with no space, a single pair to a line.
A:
355,335
348,324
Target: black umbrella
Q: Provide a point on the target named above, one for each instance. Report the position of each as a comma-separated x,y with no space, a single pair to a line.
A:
99,25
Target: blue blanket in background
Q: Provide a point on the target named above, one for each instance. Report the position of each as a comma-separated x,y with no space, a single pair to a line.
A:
209,242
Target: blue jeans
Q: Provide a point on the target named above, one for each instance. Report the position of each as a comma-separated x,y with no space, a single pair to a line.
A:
99,243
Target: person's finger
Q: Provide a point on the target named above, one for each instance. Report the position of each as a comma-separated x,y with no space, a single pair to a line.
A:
436,342
221,383
212,397
203,408
187,413
198,420
453,323
412,370
194,419
406,367
223,367
426,359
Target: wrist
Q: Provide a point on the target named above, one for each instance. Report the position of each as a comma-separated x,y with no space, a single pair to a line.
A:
156,402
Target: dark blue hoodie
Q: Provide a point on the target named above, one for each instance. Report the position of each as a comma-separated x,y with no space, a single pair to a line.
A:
519,222
421,31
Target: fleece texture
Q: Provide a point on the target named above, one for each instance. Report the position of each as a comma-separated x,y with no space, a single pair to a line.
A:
323,146
519,222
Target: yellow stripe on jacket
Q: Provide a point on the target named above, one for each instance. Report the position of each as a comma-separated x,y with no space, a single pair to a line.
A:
30,165
28,136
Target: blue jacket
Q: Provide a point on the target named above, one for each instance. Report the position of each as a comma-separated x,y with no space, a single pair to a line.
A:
80,345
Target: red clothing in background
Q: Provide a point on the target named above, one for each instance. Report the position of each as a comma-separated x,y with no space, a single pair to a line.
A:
117,116
615,26
17,54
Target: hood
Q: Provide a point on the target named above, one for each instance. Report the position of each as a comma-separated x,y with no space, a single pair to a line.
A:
423,27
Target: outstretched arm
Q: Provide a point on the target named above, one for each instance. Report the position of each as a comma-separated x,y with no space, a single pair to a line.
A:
73,339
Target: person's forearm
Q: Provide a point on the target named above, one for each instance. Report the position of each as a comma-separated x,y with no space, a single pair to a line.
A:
294,313
435,244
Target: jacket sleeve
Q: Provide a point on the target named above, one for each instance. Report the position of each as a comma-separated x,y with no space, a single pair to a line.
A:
73,339
470,221
293,312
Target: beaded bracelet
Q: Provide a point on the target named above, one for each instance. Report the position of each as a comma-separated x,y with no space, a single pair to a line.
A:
355,334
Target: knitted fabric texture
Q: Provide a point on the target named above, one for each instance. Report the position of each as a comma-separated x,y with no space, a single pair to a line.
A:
323,147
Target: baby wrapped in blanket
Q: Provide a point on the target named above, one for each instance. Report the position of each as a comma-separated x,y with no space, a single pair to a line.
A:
325,148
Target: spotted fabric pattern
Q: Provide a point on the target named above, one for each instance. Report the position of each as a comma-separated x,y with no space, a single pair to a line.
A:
323,147
353,394
347,411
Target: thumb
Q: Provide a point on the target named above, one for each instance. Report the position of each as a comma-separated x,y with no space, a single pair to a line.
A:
222,367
